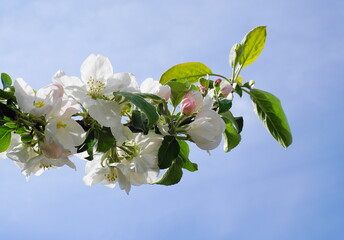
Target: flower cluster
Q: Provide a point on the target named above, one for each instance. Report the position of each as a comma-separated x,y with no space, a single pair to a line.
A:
126,132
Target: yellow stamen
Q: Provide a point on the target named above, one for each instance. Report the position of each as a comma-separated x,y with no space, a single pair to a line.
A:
59,124
39,104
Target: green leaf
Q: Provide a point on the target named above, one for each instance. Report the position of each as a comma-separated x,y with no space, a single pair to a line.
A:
252,45
139,121
238,90
224,105
10,124
206,83
7,95
26,137
178,90
190,72
5,138
6,80
184,155
150,96
105,139
168,151
239,123
231,136
269,110
173,174
141,103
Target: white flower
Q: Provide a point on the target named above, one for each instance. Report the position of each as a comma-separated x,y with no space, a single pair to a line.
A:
40,163
154,87
206,131
106,175
66,132
25,157
137,164
46,101
143,167
96,86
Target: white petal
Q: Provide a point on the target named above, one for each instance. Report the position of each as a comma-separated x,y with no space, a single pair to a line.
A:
149,86
96,66
24,94
107,113
124,82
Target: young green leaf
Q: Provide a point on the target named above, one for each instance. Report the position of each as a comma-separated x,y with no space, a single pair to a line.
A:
6,80
231,136
190,72
252,45
141,103
269,110
168,151
5,138
206,83
184,155
173,174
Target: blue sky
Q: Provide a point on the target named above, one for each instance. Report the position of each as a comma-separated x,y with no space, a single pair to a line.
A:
257,191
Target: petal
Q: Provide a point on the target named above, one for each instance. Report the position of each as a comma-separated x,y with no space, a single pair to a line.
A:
107,113
24,94
124,82
149,86
96,66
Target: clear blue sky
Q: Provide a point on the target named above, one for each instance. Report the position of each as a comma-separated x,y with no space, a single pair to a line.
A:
258,191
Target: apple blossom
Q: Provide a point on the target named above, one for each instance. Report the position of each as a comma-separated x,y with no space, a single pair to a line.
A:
96,86
46,101
106,175
66,132
206,130
28,158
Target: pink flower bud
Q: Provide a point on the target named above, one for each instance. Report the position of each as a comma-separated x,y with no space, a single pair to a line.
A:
203,89
226,90
192,102
217,82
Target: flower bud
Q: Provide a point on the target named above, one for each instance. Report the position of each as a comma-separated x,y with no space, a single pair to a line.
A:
192,102
217,82
226,89
203,89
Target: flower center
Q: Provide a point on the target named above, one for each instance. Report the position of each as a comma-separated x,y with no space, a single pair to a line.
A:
45,166
112,175
39,104
59,124
95,88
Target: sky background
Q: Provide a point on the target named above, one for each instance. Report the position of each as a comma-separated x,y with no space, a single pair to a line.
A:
257,191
